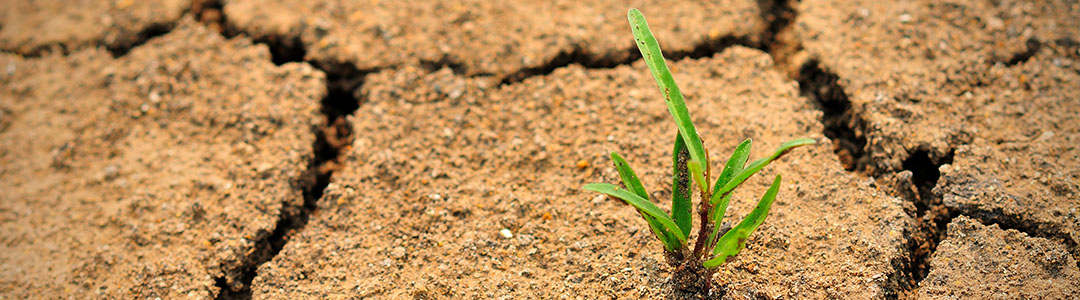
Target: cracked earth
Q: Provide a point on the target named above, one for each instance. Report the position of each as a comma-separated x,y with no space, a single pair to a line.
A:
286,149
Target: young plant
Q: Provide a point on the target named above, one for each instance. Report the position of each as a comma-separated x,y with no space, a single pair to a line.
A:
690,161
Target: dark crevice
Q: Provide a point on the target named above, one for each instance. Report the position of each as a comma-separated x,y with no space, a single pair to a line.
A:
284,50
931,215
847,131
1033,47
710,47
1067,46
343,81
841,125
446,62
209,13
330,142
777,39
576,56
1032,228
146,34
778,14
580,56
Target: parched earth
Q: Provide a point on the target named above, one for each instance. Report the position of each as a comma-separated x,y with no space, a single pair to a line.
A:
285,149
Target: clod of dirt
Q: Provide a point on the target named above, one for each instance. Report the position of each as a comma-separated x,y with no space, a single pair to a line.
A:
1023,168
965,90
907,65
153,175
35,27
508,39
985,262
507,157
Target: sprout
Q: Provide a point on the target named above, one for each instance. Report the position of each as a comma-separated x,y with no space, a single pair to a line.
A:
690,162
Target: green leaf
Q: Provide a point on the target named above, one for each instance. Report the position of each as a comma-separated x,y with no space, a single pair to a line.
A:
680,187
698,176
756,166
665,237
735,239
641,204
629,179
650,51
734,165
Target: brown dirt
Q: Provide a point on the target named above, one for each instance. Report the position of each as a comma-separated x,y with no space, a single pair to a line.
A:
442,163
36,27
153,175
1021,170
179,166
986,91
509,40
986,262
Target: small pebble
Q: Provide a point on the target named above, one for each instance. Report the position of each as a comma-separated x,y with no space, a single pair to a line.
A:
904,18
397,252
582,164
111,171
598,199
995,23
1046,135
505,233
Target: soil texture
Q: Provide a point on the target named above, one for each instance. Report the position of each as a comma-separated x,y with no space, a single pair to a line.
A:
285,149
986,262
37,27
442,163
153,175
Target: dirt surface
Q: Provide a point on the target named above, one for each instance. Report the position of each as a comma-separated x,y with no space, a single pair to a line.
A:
35,27
1022,169
153,175
507,39
985,262
145,155
906,66
1000,101
442,163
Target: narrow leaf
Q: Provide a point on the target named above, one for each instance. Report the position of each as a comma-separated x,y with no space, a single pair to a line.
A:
717,217
698,176
735,239
734,165
665,237
641,204
650,51
680,186
756,166
629,179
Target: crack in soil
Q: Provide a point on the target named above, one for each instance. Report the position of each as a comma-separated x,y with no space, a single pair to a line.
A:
580,56
1033,47
842,126
846,129
343,81
931,216
1032,228
145,35
778,39
331,141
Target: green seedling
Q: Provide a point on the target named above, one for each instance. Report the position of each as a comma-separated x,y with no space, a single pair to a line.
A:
690,159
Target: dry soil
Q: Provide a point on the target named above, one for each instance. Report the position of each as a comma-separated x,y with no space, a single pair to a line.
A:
281,149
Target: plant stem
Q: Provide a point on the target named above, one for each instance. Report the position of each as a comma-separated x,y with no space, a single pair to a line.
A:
706,225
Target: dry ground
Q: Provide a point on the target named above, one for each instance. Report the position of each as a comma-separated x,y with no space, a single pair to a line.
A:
375,149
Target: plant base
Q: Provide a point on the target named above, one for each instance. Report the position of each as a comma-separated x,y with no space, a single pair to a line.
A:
691,280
